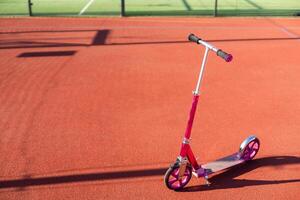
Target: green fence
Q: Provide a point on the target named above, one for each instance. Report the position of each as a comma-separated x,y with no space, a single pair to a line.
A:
150,7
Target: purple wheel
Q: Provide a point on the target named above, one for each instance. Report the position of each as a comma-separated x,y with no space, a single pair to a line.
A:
172,180
249,148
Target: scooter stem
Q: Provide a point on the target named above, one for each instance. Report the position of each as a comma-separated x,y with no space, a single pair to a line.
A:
196,93
197,90
188,130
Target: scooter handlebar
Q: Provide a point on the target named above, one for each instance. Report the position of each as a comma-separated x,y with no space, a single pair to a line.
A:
226,56
194,38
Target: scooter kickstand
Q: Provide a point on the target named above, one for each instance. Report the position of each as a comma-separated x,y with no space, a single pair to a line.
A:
206,180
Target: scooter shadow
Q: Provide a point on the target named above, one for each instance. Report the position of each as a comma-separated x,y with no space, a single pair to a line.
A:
227,179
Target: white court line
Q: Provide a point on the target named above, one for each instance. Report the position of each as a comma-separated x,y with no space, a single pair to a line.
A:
289,33
86,7
285,30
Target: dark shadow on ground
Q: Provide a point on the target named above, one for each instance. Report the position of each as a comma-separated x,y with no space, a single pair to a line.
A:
221,181
227,179
34,44
187,5
221,12
98,39
46,54
257,10
254,4
61,14
221,40
101,37
80,178
50,31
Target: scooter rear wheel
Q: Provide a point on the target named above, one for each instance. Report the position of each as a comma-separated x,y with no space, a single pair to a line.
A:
249,148
172,180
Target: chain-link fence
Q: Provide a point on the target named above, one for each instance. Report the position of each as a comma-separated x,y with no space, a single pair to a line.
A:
150,7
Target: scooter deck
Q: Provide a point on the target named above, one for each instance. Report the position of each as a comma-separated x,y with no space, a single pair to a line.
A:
223,163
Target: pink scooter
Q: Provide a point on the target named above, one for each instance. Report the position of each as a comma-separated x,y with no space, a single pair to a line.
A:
180,172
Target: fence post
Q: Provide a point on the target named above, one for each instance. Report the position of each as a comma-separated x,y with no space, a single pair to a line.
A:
216,8
30,7
123,8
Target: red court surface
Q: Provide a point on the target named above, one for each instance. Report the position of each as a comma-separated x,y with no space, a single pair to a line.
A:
95,108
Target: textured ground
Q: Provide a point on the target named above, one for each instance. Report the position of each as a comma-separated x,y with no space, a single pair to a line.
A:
96,108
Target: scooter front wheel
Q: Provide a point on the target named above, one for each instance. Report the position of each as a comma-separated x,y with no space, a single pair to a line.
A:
172,180
249,148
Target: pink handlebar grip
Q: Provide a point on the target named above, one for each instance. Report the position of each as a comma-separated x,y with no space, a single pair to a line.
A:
229,58
226,56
